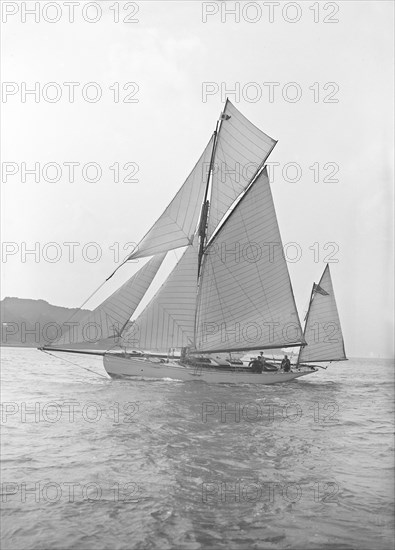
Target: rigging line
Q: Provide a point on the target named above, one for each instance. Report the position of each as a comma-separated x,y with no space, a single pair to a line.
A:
178,194
239,198
74,364
78,309
305,324
93,293
109,277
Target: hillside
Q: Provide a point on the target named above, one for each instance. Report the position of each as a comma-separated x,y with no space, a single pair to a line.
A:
26,322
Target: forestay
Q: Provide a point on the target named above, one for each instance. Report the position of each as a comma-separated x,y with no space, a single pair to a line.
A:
323,332
245,298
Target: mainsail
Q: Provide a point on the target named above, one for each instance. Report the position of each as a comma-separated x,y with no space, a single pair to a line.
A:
177,225
323,332
245,296
241,150
111,316
168,321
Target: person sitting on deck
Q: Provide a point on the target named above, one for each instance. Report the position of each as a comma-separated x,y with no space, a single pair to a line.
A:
286,364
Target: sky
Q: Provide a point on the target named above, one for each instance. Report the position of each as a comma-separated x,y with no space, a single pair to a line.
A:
157,85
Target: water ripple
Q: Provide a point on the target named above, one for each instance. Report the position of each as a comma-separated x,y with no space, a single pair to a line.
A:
163,464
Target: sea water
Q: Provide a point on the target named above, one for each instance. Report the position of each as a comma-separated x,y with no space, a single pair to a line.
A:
94,463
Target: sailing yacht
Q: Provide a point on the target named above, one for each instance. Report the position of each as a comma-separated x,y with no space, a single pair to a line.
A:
230,291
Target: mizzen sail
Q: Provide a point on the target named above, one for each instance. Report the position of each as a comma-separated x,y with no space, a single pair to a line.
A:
177,225
110,317
245,295
323,332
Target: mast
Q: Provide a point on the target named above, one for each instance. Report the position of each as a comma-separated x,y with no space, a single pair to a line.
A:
233,144
204,214
305,321
206,202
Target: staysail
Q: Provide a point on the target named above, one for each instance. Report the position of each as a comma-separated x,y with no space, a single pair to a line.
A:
323,332
110,317
241,150
168,321
177,225
245,296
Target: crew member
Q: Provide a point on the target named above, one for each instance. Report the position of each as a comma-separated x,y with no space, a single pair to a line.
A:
256,365
286,364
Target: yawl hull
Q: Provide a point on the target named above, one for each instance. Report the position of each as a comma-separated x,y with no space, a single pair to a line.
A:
120,367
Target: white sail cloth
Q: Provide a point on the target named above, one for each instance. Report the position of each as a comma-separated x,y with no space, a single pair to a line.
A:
240,151
168,321
110,317
177,225
245,297
323,332
244,300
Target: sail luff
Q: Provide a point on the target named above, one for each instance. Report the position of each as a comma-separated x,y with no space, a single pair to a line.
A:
241,293
240,146
305,322
206,205
110,318
168,319
234,204
204,245
177,224
323,332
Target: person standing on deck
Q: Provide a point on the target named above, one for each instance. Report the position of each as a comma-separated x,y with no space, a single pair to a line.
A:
286,364
261,358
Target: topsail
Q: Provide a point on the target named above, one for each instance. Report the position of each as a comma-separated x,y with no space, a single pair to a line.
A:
323,332
241,151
